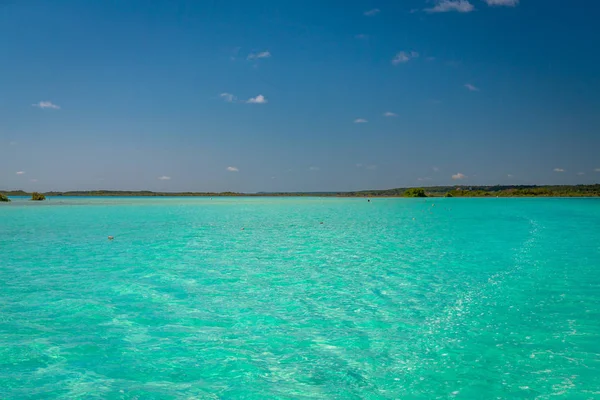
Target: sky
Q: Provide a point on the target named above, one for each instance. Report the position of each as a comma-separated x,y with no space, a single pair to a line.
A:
312,95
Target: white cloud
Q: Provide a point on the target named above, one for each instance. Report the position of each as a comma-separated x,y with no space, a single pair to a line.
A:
458,176
401,57
424,179
260,99
435,169
472,88
509,175
314,168
360,121
20,172
46,104
462,6
559,170
228,97
404,56
373,12
581,173
389,114
33,180
507,3
597,170
233,169
262,54
164,178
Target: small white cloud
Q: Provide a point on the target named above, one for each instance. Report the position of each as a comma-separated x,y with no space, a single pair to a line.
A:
389,114
20,172
435,169
581,173
424,179
462,6
314,168
404,57
260,99
262,54
33,180
509,175
228,97
506,3
559,170
46,104
233,169
458,176
373,12
164,178
414,10
360,121
472,88
597,170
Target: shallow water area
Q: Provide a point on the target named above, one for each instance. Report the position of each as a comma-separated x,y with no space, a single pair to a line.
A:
254,298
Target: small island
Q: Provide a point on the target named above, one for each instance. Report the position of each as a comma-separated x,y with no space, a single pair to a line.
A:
4,199
35,196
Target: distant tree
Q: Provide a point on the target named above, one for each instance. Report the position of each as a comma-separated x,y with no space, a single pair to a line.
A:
448,195
37,196
3,198
415,192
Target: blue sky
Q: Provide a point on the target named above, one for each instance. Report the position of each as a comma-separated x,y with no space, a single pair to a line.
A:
292,95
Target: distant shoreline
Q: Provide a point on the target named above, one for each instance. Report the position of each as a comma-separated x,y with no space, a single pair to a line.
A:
433,191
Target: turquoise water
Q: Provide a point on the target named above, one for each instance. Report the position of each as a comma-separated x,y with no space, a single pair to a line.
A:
393,299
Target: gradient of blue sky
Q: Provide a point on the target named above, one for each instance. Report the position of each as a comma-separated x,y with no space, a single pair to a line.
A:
500,94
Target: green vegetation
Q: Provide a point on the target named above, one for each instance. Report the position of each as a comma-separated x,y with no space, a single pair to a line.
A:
37,196
3,198
415,192
433,191
527,191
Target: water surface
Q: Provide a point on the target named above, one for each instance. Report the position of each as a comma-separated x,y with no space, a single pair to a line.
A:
254,298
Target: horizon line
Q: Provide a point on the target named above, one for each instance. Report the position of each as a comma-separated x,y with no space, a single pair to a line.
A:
295,192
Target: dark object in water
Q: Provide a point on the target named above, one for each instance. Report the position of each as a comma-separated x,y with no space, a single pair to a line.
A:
321,222
111,237
368,200
35,196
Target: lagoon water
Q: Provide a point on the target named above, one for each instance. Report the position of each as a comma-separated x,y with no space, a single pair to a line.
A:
392,299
